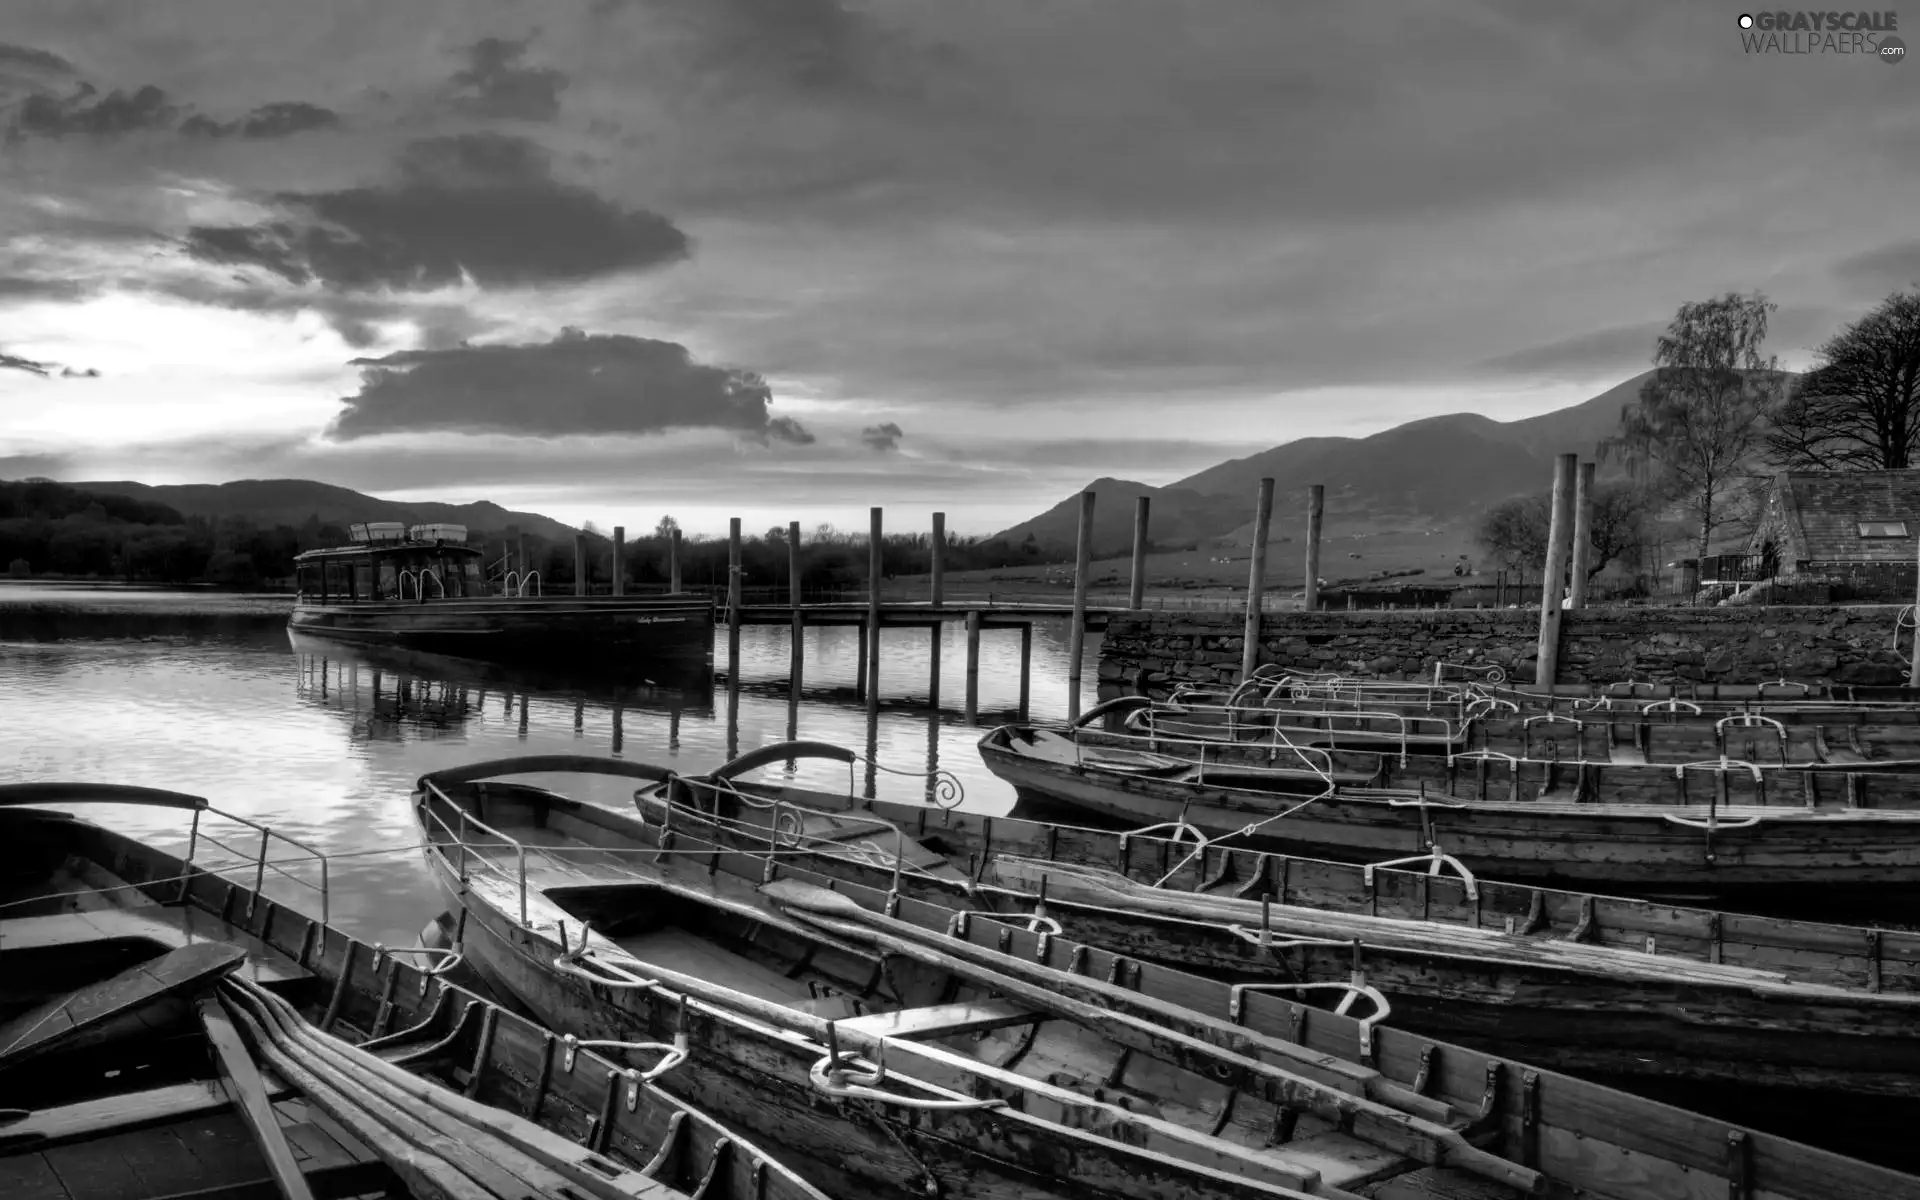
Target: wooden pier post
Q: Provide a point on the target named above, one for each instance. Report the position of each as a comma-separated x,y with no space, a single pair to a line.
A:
619,560
733,601
1077,631
860,664
1553,579
939,569
1026,668
1316,511
1257,578
973,667
1137,594
797,652
673,561
1913,668
1582,535
579,564
874,567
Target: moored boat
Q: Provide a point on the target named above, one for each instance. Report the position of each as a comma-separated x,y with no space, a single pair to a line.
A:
168,1031
1687,1001
1735,832
425,589
1236,1073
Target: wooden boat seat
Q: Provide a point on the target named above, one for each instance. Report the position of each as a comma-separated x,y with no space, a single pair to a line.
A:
690,954
943,1020
169,927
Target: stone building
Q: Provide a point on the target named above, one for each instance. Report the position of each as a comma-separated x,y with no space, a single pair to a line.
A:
1855,529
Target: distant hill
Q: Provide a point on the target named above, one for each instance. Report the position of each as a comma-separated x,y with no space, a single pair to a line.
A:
270,502
1436,472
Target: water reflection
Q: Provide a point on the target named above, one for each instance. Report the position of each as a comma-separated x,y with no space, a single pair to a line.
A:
324,741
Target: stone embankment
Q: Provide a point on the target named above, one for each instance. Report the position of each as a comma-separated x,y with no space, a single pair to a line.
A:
1832,644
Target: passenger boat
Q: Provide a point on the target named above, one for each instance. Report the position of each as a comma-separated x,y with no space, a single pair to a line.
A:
1032,1036
167,1031
423,588
1687,1001
1730,832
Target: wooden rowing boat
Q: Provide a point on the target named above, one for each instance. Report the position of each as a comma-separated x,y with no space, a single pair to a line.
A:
1736,833
1627,990
339,1068
1018,1014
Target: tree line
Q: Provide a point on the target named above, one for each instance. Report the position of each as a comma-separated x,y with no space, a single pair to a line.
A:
1717,418
49,528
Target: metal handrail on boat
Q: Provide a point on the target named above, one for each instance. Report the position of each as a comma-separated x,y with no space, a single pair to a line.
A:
420,578
459,837
58,792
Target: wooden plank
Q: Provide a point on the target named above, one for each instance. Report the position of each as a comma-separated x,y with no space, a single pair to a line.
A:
30,1177
117,1114
115,1006
250,1092
943,1020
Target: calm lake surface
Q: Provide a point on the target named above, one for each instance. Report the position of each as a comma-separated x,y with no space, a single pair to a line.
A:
207,693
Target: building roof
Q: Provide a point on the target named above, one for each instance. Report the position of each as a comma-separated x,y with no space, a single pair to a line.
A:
1829,508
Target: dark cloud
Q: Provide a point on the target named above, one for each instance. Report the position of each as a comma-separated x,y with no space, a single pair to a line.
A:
575,384
33,466
1885,269
487,205
494,84
282,119
29,56
882,438
13,362
87,113
27,287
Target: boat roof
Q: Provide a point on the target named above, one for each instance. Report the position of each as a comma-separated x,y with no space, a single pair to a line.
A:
386,549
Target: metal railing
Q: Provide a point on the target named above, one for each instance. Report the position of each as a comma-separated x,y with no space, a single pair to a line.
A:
420,578
259,860
519,876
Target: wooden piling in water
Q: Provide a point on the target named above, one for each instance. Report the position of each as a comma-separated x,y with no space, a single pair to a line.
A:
1137,595
1026,667
1553,579
619,560
874,568
973,667
1316,510
1582,535
579,564
939,551
733,601
1077,631
1257,578
673,562
798,651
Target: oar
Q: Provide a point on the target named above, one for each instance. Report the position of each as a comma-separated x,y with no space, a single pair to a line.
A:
1388,1127
250,1096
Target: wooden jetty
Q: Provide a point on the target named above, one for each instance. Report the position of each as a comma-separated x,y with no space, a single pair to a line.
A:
1018,1019
1589,984
166,1032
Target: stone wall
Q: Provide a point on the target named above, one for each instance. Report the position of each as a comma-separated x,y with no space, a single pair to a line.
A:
1713,645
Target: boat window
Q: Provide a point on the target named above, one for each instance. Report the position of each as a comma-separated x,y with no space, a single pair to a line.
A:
363,580
308,575
337,581
450,577
389,584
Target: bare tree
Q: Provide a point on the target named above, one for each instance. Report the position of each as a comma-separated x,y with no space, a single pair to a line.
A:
1860,408
1696,426
1514,532
665,526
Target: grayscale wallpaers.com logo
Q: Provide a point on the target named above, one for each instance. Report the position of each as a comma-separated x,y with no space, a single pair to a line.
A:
1864,33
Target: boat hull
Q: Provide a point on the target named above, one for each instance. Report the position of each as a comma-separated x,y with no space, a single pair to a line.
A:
755,1076
1646,849
600,633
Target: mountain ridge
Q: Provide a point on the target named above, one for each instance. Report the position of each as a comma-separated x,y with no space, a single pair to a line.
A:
294,501
1436,471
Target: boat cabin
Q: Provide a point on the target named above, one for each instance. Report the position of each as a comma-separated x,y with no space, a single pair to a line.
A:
389,561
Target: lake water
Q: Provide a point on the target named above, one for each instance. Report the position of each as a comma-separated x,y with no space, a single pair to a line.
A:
207,693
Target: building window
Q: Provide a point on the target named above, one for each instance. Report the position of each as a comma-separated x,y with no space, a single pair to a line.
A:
1883,529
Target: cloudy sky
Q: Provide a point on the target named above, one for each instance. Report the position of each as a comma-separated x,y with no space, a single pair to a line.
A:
790,258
